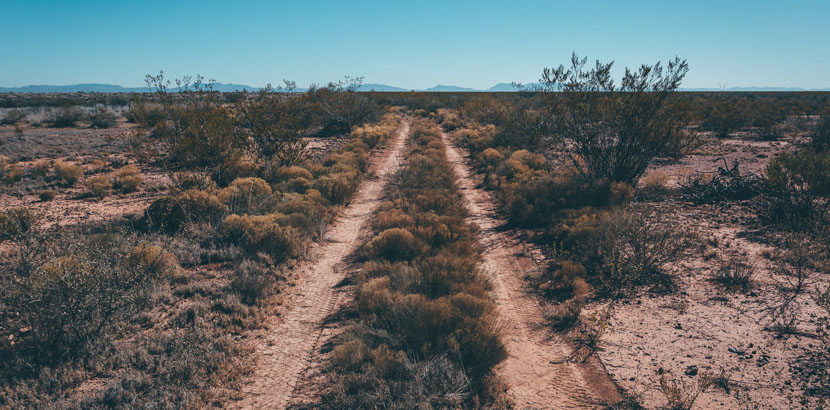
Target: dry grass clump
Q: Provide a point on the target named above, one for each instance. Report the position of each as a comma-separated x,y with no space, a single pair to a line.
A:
449,119
427,331
40,167
128,179
12,173
68,174
735,272
99,186
377,133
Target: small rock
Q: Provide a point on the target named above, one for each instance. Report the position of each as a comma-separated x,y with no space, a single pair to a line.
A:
735,350
691,371
708,357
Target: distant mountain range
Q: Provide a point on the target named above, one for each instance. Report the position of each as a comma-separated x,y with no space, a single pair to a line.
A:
108,88
501,87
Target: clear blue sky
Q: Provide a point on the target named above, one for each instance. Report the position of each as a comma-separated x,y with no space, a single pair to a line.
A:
411,44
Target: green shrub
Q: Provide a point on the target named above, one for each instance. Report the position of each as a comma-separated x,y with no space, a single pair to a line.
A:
15,222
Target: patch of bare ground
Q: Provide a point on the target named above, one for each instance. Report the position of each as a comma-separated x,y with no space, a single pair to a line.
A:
71,206
704,328
285,349
537,372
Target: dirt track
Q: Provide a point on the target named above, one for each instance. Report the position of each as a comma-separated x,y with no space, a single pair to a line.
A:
287,351
536,371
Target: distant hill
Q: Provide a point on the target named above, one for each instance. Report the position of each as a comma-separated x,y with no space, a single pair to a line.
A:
107,88
449,88
381,88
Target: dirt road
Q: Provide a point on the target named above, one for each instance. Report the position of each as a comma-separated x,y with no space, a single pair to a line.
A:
536,370
286,353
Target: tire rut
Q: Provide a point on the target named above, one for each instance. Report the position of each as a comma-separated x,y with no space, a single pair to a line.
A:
287,351
537,372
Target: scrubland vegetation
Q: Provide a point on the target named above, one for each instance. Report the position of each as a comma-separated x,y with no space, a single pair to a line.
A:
149,312
154,309
424,330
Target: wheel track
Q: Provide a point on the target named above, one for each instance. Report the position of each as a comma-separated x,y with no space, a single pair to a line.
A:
287,351
537,372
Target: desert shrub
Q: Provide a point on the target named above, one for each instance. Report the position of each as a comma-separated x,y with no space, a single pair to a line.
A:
724,115
653,185
152,259
74,297
193,180
103,118
99,186
13,117
67,117
252,281
338,187
567,280
12,173
449,119
625,249
820,141
393,218
611,132
68,173
286,173
373,135
15,222
129,183
47,195
165,214
145,114
246,195
735,272
796,187
264,234
565,315
40,167
394,244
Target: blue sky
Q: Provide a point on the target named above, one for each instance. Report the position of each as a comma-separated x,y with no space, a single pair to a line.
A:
411,44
